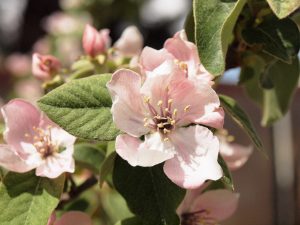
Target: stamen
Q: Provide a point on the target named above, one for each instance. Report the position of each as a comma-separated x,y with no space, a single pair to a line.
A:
166,131
160,125
187,108
146,99
159,103
175,111
166,139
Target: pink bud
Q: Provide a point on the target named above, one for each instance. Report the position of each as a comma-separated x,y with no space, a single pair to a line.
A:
44,66
95,42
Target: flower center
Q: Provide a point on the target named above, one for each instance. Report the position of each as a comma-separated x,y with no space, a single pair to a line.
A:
198,218
163,117
42,141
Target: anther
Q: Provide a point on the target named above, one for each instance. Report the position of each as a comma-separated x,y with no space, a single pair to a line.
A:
160,125
166,139
187,108
159,103
166,131
146,99
175,112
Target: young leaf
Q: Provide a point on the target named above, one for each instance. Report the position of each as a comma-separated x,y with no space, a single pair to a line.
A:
89,156
279,38
226,180
241,118
214,23
27,199
82,107
282,8
148,192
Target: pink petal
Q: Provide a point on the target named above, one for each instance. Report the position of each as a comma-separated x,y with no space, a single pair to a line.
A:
10,160
128,109
235,155
151,58
197,157
20,118
51,219
57,164
148,153
220,204
74,218
130,42
43,66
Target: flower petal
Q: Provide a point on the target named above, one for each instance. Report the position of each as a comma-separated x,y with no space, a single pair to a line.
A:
148,153
235,155
220,204
61,137
197,157
57,164
74,218
128,109
10,160
20,119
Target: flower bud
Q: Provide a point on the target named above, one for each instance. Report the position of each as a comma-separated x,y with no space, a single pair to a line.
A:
44,66
95,42
131,42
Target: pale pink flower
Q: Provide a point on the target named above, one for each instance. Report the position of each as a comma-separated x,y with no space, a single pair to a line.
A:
160,108
183,52
208,208
44,66
95,42
70,218
235,155
130,43
18,64
34,142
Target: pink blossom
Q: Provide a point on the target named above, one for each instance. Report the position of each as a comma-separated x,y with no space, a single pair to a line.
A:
34,142
160,108
18,64
235,155
130,43
95,42
183,52
70,218
44,66
208,208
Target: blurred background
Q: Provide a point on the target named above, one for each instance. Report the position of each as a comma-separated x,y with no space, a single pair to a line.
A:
270,188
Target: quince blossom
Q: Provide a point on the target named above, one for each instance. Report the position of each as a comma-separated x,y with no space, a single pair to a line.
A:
95,42
70,218
44,66
34,142
207,208
183,52
160,108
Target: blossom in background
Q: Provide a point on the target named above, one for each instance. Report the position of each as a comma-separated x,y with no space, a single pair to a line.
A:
182,52
95,42
18,64
235,155
130,43
34,142
44,66
70,218
160,108
207,208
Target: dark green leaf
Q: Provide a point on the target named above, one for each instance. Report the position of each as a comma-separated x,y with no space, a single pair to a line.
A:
89,156
82,107
241,118
107,167
189,26
279,38
214,24
227,178
282,8
148,192
27,199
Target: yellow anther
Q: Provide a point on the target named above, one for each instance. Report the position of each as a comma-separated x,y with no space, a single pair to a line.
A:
145,119
170,101
175,112
187,108
146,99
172,122
183,66
146,124
167,109
166,131
166,139
160,125
159,103
176,61
230,138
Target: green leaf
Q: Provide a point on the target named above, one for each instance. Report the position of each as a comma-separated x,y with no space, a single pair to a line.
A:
282,8
82,107
27,199
189,26
241,118
130,221
276,101
107,167
89,156
148,192
226,180
279,38
214,24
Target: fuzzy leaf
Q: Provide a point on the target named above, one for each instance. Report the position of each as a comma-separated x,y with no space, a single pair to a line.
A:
27,199
214,23
148,192
82,107
241,118
283,8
